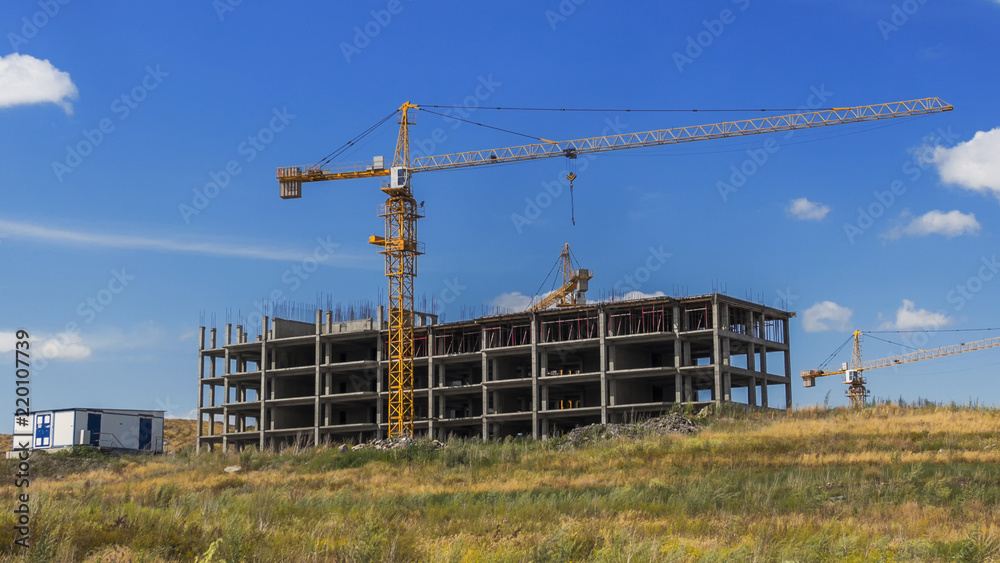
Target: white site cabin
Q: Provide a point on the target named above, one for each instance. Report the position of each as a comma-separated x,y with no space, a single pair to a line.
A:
110,429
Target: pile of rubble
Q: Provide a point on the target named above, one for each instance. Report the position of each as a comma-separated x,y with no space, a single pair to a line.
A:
393,444
667,424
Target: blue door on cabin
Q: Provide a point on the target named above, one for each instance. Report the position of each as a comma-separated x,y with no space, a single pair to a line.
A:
94,427
145,433
43,430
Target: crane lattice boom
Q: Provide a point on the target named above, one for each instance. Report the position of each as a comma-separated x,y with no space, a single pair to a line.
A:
676,135
855,373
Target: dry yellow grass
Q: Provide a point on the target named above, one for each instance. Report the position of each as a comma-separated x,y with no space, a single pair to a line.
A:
885,483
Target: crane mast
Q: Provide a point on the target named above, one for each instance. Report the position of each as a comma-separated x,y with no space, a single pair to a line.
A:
400,248
400,211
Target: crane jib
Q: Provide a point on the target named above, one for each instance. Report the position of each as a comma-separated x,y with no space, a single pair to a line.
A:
760,125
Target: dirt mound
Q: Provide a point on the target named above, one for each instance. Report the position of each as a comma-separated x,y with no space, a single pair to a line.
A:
395,444
667,424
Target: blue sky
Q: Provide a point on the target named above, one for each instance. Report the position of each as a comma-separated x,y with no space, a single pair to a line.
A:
120,119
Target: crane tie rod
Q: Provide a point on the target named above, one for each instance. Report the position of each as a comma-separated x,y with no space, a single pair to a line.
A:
486,126
353,141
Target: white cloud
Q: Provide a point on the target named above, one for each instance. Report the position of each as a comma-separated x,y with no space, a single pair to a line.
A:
513,301
806,210
908,317
641,295
972,165
67,346
951,224
25,80
41,233
826,315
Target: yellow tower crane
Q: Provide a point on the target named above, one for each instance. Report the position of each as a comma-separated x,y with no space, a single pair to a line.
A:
574,287
401,247
857,390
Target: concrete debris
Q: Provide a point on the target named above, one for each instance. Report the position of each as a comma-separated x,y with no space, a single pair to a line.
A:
233,469
395,444
667,424
343,448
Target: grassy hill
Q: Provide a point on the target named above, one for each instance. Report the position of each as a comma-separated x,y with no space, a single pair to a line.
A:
886,483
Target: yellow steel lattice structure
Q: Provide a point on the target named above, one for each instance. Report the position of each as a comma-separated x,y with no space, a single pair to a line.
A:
400,245
857,390
573,287
400,248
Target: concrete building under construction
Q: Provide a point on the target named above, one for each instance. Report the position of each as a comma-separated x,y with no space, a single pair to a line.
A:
536,374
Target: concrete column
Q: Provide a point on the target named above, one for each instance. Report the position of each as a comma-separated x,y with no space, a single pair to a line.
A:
717,390
430,382
379,387
536,431
486,401
262,422
227,369
317,351
727,392
788,366
201,387
602,323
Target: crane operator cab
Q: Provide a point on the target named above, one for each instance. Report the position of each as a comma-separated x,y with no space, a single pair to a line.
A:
852,376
